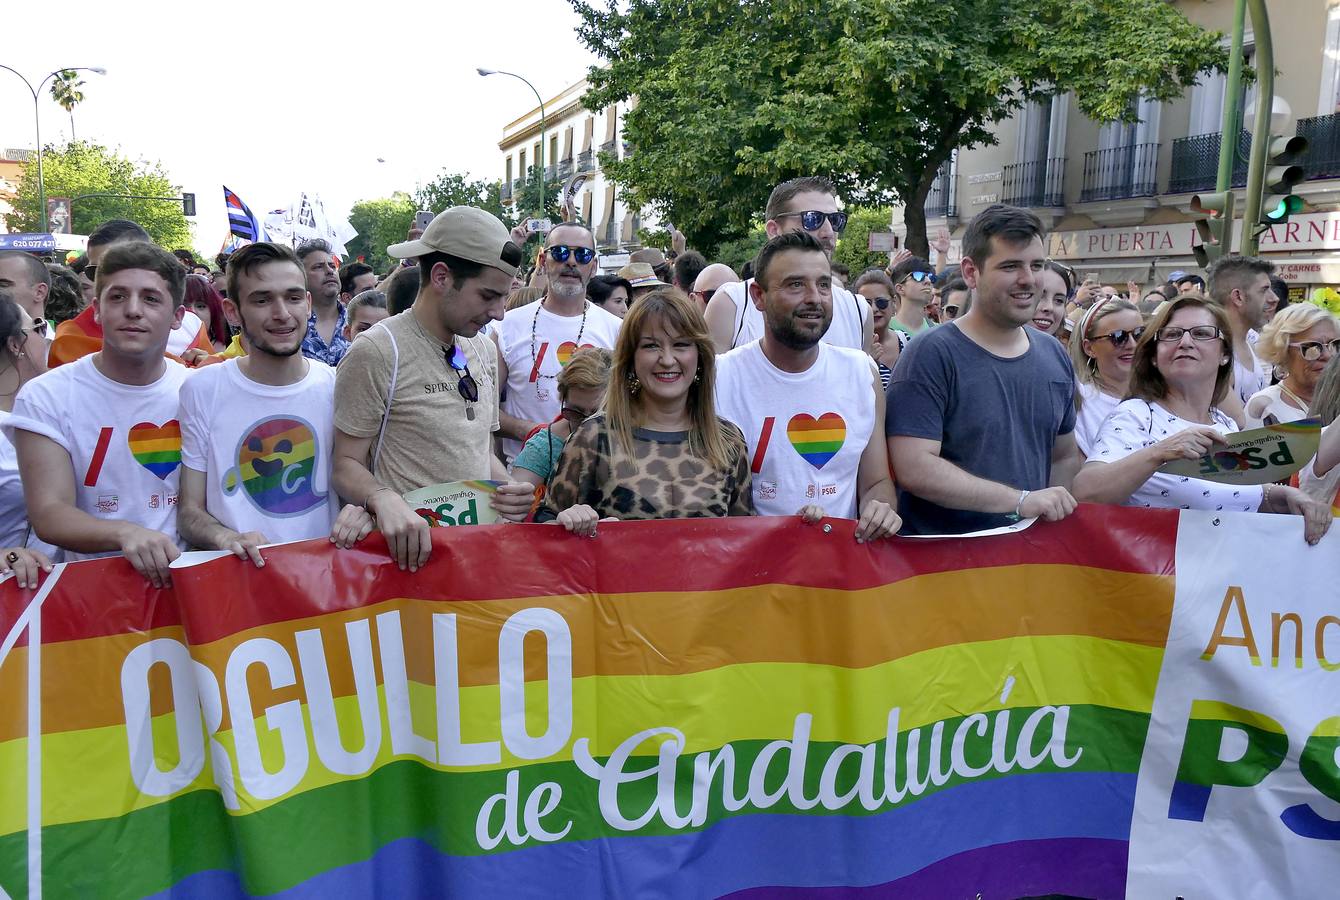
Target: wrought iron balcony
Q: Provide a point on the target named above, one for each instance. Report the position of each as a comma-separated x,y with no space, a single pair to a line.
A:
565,168
1120,172
586,161
610,147
942,198
505,192
1195,162
1036,183
1323,152
550,173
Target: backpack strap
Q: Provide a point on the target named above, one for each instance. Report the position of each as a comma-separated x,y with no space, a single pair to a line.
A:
390,396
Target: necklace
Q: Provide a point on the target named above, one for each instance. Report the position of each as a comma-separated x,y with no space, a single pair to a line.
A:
542,394
1296,399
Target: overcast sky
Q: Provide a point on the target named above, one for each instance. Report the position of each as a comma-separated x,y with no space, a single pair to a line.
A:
275,98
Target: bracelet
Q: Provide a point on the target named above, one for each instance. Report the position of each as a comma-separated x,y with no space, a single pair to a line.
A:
1018,507
368,501
1265,497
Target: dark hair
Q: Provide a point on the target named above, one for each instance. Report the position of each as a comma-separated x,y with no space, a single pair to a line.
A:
787,240
11,320
80,264
462,270
958,285
244,262
747,270
783,193
127,255
1067,275
599,288
185,256
37,270
371,298
199,289
687,267
116,231
1015,225
66,298
908,266
1228,273
1281,289
401,290
351,271
315,245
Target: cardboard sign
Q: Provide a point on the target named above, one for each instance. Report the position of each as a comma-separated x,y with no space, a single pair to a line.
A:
1259,456
455,503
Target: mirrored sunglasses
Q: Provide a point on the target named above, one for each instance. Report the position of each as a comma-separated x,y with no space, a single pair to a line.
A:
561,252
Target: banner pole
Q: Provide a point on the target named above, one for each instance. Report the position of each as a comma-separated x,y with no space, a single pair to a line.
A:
35,747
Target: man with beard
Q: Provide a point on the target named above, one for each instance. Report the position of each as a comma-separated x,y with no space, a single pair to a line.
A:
981,417
1241,285
324,339
810,411
257,431
536,341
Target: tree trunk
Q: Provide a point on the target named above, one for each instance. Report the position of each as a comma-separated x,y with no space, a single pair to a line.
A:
914,217
72,137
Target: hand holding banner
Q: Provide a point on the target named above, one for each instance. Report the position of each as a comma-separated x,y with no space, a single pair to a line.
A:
1259,456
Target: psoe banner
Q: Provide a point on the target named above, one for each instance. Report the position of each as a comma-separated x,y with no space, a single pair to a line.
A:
752,707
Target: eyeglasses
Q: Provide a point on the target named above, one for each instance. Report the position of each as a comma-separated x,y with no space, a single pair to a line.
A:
467,386
90,272
881,302
919,277
950,311
1313,350
561,252
574,416
813,219
1172,333
1121,336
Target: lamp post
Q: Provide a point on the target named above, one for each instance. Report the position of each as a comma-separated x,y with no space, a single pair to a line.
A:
37,121
540,160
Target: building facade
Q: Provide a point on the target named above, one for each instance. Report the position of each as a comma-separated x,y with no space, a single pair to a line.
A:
575,138
12,162
1116,196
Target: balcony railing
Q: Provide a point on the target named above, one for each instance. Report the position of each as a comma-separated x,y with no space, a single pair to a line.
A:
942,199
1323,152
550,173
1195,162
506,190
565,168
1037,183
610,147
1120,172
586,161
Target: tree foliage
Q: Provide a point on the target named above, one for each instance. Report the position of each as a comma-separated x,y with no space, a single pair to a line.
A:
65,91
733,96
380,223
81,167
852,247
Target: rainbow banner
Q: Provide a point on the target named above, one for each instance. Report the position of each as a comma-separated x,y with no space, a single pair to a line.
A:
755,708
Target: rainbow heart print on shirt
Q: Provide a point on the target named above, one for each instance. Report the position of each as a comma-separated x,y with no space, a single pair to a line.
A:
817,440
156,447
565,351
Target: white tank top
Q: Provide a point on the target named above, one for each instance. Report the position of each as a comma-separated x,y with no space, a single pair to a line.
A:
850,313
806,431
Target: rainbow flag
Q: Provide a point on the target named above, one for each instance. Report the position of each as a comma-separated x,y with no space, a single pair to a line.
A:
754,708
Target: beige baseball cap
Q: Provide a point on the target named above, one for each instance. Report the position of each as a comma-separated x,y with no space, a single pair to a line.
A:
640,275
469,233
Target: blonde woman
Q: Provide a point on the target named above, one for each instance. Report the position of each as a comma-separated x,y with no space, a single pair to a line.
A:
1298,342
581,392
658,450
1102,349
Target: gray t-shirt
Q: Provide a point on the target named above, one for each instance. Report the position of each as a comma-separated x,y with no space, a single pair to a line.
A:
994,418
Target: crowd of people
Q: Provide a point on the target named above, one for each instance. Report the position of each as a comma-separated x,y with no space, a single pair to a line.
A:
149,404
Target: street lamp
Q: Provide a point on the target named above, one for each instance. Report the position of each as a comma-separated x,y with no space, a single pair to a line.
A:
37,118
487,72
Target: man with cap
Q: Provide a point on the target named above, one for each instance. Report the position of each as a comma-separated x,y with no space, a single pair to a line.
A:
536,341
1187,283
642,277
416,397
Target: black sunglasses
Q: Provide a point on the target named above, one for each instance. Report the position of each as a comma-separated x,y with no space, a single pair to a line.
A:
881,302
90,272
813,220
561,252
1121,336
467,386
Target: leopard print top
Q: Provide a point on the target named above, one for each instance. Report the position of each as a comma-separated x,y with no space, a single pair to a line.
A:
661,479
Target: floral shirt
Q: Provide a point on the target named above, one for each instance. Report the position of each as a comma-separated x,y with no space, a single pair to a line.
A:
313,347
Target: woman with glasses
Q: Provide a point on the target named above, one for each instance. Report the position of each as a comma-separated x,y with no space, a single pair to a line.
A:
658,450
1183,369
1054,287
581,391
1298,342
23,356
877,287
1102,349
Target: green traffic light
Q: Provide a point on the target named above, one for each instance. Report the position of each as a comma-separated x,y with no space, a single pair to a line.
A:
1287,206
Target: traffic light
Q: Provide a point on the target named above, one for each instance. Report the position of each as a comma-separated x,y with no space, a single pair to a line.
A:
1214,226
188,204
1278,200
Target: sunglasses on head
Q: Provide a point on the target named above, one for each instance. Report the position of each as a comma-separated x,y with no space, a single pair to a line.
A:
813,219
919,277
1121,336
561,252
467,386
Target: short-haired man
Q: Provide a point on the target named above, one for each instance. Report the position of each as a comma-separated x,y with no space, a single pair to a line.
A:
801,204
1188,283
1241,285
955,300
355,278
364,310
188,342
913,291
416,397
981,411
686,269
98,441
812,413
28,281
709,280
256,431
536,341
325,326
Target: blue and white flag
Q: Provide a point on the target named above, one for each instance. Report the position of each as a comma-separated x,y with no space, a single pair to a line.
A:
241,222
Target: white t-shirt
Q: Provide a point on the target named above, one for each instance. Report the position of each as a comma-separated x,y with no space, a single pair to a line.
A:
1325,488
124,441
1135,425
806,431
851,314
1270,403
264,449
1250,376
1095,409
533,363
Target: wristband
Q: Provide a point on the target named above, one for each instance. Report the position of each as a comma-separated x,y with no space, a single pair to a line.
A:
1018,507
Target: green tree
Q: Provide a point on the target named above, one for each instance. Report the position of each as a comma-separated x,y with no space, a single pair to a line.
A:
735,253
380,223
65,91
734,96
852,247
80,168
